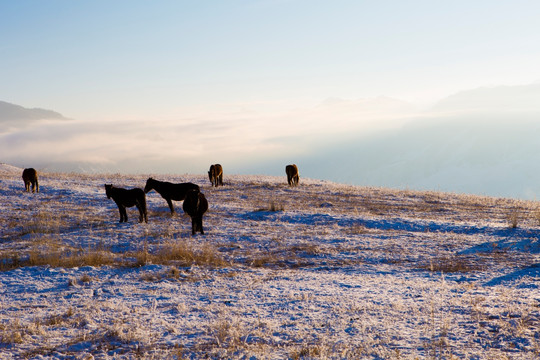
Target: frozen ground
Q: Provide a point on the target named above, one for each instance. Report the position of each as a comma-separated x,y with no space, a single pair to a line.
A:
322,270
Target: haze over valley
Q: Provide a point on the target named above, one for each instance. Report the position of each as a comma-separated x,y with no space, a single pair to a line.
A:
481,141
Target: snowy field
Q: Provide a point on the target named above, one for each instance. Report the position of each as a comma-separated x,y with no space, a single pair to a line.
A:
320,271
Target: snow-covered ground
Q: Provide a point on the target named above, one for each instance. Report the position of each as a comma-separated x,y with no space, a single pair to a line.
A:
321,270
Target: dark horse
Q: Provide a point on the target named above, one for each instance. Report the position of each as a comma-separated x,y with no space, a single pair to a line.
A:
30,177
170,191
216,175
292,174
195,205
128,198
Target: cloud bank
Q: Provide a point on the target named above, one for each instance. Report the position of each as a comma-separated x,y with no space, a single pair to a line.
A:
242,139
481,141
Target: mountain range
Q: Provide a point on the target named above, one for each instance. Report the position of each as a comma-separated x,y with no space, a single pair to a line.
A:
12,115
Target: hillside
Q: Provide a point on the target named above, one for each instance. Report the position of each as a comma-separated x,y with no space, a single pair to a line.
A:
322,270
11,114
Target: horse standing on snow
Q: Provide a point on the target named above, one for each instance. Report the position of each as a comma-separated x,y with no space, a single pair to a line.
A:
170,191
128,198
195,205
30,177
292,174
215,174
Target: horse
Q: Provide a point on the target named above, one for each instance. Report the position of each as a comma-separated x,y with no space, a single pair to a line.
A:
30,177
128,198
216,175
170,191
195,205
292,174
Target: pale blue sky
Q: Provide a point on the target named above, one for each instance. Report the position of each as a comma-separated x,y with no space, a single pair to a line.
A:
173,86
109,58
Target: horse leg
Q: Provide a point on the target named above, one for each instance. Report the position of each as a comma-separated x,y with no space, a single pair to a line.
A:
193,226
142,213
37,186
170,205
199,221
123,213
141,216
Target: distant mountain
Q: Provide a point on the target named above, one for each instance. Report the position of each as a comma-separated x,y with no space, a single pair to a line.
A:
13,115
482,141
493,100
465,155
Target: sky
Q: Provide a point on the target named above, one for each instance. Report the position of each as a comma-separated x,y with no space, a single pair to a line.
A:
173,86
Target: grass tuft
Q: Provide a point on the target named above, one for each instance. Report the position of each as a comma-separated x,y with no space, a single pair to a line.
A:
55,259
183,254
273,207
451,264
513,218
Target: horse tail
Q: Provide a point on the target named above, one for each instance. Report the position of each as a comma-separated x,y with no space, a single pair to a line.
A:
142,203
142,200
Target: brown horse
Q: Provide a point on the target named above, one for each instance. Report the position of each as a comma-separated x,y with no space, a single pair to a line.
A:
128,198
292,174
30,177
170,191
195,205
215,174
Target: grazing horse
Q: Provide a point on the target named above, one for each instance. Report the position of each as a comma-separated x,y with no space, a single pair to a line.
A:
30,177
216,175
292,174
128,198
170,191
195,205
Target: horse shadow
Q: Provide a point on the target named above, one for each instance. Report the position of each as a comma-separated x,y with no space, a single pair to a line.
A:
532,271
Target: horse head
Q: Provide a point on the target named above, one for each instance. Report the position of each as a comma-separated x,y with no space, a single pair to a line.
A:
211,174
149,185
108,189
